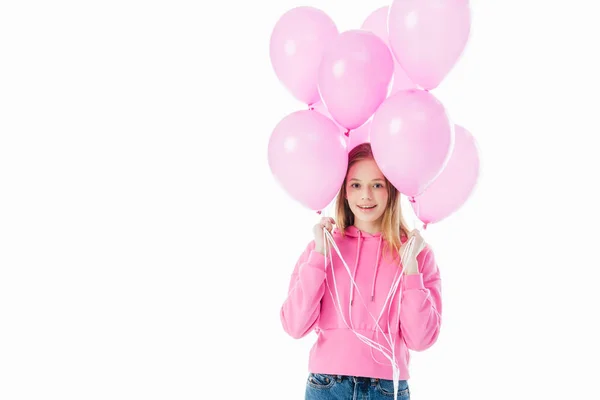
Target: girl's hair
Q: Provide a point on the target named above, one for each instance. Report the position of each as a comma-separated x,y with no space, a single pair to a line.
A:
393,225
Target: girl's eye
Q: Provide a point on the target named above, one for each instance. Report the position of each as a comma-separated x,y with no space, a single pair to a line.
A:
378,185
355,185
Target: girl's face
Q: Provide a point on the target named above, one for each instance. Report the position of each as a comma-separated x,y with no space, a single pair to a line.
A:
366,192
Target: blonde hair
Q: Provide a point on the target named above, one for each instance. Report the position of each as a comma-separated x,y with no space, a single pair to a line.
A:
393,225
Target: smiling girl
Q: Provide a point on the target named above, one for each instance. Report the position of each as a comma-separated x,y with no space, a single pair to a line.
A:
371,235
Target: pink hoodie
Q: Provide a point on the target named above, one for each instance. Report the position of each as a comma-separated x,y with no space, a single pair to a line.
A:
338,351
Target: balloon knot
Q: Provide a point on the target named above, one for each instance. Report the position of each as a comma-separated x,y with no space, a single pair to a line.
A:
319,212
311,108
347,133
424,225
412,199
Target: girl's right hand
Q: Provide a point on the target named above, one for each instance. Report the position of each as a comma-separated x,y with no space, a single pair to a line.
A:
327,223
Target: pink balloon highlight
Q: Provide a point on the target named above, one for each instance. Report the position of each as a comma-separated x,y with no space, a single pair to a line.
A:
412,138
427,37
296,48
453,187
377,22
354,77
308,157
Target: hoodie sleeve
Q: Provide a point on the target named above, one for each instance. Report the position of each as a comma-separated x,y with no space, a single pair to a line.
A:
300,311
421,308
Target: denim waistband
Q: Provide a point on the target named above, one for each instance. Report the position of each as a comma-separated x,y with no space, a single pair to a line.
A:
357,379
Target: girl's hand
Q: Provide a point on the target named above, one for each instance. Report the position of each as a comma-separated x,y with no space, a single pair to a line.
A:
327,223
410,250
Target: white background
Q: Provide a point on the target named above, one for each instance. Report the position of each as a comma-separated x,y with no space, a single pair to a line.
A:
145,248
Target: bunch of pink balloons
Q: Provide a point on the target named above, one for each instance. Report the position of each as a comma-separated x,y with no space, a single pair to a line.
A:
372,85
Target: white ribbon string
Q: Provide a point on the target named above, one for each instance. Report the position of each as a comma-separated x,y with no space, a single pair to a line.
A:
328,256
390,353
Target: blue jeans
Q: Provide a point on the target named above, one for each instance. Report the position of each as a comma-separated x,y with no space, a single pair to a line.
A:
340,387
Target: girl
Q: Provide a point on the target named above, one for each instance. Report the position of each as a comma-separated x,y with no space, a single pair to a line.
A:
370,235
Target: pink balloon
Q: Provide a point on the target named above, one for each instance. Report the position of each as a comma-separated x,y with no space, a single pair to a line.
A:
359,135
427,37
355,136
296,48
451,189
354,77
376,22
320,107
308,157
412,138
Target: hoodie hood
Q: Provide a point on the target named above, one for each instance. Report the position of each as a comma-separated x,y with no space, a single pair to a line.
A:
353,231
361,237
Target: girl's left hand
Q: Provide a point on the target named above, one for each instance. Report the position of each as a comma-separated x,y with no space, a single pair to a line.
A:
411,251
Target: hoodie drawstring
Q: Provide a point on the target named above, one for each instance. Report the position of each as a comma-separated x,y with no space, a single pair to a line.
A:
355,268
377,260
376,269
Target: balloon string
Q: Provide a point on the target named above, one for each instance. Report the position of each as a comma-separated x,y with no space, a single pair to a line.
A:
389,353
418,215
